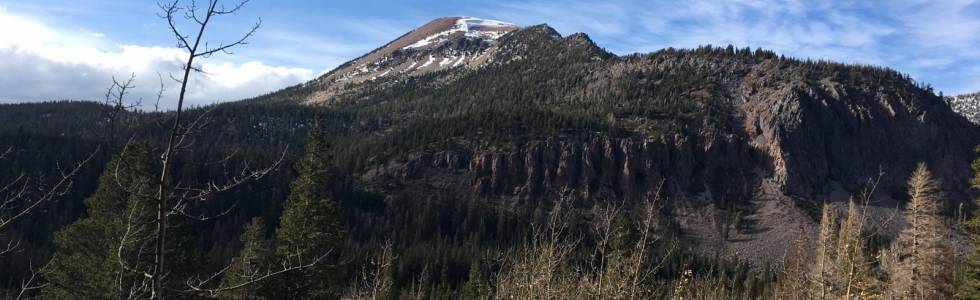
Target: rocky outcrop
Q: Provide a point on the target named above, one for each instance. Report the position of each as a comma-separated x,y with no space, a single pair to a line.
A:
806,138
825,132
592,166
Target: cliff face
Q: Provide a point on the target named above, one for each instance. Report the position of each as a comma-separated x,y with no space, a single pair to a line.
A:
829,130
592,166
803,138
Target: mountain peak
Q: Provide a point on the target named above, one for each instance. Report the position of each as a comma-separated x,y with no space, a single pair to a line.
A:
441,44
444,29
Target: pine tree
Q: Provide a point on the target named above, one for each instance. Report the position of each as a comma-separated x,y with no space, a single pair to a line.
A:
976,168
309,227
250,264
968,286
923,252
85,262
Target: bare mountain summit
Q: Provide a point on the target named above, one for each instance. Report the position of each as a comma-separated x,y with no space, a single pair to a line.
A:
444,43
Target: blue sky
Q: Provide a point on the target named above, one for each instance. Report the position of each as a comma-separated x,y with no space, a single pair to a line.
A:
68,49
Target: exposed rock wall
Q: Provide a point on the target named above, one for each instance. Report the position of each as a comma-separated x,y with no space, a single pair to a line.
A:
594,167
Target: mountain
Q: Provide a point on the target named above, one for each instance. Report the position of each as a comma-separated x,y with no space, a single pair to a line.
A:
967,105
444,43
456,139
537,116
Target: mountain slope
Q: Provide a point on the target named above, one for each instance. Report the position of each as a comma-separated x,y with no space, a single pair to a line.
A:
809,122
716,130
443,43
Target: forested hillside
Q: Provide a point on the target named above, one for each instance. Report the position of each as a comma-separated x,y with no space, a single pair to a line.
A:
553,170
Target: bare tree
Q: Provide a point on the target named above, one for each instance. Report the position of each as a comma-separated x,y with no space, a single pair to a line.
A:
146,228
23,195
19,196
537,272
116,111
920,261
376,283
178,132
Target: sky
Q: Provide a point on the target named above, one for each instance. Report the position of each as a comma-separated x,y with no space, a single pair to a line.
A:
71,49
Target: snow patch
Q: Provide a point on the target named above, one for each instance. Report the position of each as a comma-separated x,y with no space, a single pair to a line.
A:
409,67
471,27
426,64
381,75
446,61
460,61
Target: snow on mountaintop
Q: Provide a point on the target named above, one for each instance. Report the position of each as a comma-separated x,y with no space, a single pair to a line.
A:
472,28
430,48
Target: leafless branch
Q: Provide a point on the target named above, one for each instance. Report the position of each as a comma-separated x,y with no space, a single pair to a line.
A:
197,286
245,175
173,198
162,90
234,10
6,152
169,12
31,283
115,109
224,47
12,246
60,188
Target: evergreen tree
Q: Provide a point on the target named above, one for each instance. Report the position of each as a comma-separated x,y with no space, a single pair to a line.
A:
976,168
309,227
968,286
86,262
250,264
476,286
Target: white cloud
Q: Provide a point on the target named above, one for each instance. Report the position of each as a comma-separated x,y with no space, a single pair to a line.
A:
94,34
39,62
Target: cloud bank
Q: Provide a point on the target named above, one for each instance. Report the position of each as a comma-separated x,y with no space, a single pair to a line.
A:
39,62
